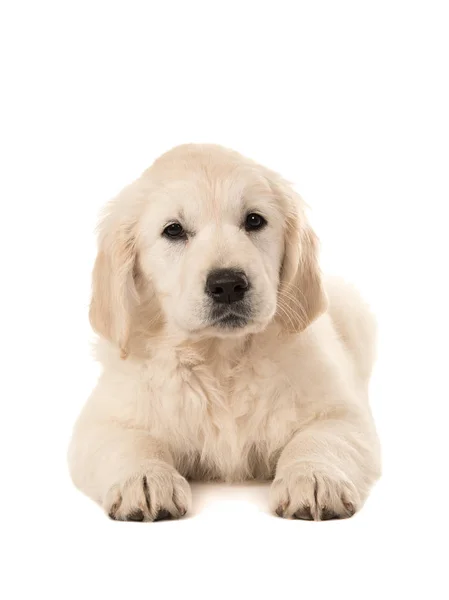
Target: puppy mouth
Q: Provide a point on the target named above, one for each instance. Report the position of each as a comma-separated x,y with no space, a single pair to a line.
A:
230,318
231,321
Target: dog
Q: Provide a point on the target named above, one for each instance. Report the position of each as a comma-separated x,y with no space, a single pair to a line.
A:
226,355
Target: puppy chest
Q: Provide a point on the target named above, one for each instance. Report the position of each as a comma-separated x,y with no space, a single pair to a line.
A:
227,425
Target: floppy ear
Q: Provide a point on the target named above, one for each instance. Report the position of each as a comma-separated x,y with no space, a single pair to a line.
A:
113,286
301,296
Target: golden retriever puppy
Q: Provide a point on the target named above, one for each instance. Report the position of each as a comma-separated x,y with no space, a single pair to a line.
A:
225,356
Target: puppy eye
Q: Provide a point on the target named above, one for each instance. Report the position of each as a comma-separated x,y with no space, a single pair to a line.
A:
174,231
253,222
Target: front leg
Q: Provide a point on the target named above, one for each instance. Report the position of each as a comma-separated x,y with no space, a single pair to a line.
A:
327,468
129,473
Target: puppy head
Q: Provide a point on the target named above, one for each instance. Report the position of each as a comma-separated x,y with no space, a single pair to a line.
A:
208,243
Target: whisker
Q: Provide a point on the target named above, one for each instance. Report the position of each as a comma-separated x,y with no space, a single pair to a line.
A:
283,294
287,313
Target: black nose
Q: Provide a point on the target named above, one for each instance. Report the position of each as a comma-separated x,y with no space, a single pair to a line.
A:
226,285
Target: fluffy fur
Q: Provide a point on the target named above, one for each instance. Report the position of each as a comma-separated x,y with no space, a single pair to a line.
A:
283,396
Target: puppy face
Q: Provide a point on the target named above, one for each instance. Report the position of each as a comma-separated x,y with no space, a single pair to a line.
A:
212,245
219,243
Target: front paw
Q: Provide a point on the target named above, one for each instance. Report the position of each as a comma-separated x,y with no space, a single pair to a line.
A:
155,493
313,493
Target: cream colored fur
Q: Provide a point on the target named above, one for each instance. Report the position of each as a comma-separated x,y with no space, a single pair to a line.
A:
284,398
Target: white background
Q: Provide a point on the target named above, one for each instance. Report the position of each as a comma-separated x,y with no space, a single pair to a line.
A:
349,100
